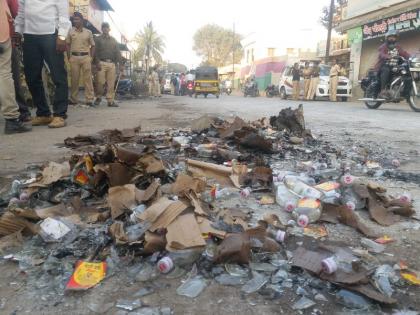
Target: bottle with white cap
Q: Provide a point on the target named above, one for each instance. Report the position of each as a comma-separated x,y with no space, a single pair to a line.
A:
301,189
285,198
351,199
307,211
333,263
180,258
276,234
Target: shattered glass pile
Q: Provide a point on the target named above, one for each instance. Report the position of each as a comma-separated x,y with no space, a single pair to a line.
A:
244,204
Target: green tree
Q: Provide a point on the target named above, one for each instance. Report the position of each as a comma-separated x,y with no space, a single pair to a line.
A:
215,45
150,45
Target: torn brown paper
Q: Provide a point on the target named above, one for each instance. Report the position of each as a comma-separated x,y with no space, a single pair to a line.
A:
184,232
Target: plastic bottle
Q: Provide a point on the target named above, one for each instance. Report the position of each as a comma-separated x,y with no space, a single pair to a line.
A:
307,211
405,198
276,234
331,264
285,198
222,193
352,200
302,189
180,258
246,192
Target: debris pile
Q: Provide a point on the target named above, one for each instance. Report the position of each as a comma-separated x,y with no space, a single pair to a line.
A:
239,203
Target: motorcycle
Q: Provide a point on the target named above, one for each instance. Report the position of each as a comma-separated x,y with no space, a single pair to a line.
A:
407,72
127,88
272,90
190,88
251,89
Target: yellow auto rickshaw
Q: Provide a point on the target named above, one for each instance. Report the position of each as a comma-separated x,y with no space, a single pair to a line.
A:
206,82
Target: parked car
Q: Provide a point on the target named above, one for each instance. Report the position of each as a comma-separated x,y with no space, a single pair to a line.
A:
344,88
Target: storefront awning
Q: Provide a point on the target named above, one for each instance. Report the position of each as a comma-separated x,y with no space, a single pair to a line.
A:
377,15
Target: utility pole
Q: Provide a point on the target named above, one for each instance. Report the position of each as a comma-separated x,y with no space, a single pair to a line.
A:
330,25
233,56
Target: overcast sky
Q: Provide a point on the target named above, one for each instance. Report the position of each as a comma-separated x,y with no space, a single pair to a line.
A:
275,23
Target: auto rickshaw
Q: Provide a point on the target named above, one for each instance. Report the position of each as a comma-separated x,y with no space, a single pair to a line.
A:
206,82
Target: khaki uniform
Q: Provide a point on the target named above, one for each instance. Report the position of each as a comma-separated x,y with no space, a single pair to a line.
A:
154,86
107,55
8,104
80,43
334,73
314,82
306,81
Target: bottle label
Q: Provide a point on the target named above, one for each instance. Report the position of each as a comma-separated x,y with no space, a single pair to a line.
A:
309,203
328,186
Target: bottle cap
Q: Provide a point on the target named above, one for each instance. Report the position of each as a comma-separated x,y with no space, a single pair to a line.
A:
303,220
350,205
280,236
348,179
24,196
396,163
165,265
329,265
245,192
405,198
289,206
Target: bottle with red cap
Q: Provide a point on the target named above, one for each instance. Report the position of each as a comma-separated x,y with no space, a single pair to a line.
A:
180,258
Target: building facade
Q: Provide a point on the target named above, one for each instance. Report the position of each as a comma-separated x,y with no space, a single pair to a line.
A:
367,22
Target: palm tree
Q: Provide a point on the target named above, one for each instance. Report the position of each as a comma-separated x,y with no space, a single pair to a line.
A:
150,45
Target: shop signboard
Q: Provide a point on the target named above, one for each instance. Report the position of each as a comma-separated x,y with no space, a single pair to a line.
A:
403,22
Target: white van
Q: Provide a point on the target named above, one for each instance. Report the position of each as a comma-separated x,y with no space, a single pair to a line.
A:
323,90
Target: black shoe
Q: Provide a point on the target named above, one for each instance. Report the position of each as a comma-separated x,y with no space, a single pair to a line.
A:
113,104
15,126
25,118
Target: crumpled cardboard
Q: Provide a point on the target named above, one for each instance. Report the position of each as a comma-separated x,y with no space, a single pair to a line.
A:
309,260
117,174
10,223
248,137
291,120
237,124
381,214
121,199
169,215
369,291
126,156
152,213
149,193
151,164
196,203
206,228
184,233
116,230
154,242
52,173
203,123
185,183
219,173
235,248
353,219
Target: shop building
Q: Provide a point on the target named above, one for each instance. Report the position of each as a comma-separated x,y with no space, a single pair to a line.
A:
367,22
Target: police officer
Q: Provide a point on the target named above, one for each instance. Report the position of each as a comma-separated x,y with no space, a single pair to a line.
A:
306,79
107,58
81,52
314,80
334,73
154,86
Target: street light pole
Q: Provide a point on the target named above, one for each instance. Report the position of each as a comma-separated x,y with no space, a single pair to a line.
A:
233,56
330,25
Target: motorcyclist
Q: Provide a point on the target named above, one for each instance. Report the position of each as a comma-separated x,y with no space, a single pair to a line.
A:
389,56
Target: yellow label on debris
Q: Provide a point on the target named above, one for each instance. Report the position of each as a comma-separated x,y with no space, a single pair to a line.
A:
411,277
309,203
87,275
328,186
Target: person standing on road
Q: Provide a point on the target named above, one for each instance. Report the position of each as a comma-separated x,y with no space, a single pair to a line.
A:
334,73
154,86
313,86
45,25
80,54
107,57
296,81
9,107
306,80
173,84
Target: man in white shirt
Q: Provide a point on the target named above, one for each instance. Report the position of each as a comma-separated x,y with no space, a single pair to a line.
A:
45,25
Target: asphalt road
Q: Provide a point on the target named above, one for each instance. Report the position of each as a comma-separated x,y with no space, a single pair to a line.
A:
393,125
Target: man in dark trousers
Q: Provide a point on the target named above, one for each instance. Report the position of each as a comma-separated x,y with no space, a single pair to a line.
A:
45,25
